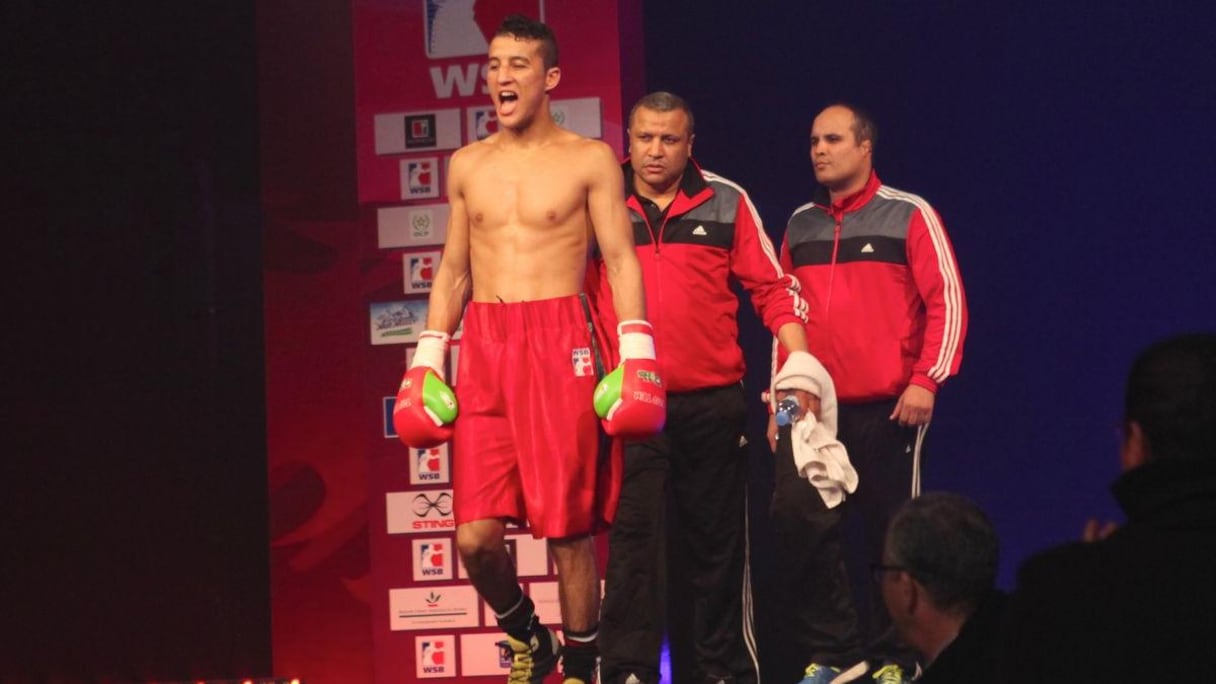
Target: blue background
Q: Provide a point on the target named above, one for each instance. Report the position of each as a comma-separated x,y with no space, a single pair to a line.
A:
1069,149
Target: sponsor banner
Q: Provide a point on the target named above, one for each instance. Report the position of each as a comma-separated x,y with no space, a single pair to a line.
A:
414,226
432,559
418,271
390,431
544,595
581,115
402,132
418,63
397,322
433,608
484,655
419,94
479,123
419,512
463,573
531,557
435,656
420,178
453,28
430,466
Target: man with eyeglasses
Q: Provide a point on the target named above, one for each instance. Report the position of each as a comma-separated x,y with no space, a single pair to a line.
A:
937,579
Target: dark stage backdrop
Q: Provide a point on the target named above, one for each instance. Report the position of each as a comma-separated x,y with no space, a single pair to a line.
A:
1068,148
1068,151
132,465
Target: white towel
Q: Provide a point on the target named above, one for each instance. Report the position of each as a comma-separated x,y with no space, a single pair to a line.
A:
818,455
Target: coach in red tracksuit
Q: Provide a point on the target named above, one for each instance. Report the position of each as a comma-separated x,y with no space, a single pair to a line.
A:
696,234
887,318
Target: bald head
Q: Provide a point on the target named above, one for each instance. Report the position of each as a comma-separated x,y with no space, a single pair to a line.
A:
842,148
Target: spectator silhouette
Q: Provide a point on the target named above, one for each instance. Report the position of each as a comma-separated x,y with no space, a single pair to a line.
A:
1138,604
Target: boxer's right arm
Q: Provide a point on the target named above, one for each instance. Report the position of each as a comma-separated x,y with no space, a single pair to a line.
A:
426,407
425,411
453,281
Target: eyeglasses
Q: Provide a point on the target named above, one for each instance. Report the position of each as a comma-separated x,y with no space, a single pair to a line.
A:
879,570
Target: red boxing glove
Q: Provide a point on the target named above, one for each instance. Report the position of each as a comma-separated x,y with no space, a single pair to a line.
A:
426,407
631,400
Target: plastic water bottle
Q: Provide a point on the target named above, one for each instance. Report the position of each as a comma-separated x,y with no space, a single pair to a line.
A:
788,411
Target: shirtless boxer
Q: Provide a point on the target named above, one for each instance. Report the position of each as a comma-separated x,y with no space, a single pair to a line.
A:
527,205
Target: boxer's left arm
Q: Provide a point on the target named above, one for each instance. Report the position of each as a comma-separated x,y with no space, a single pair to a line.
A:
632,399
614,234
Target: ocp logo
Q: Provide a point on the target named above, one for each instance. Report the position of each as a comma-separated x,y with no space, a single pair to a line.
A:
458,28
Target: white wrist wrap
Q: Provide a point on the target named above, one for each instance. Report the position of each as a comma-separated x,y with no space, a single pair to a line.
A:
636,339
432,351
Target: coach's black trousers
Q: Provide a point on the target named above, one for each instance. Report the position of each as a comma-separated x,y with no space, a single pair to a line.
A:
834,614
683,508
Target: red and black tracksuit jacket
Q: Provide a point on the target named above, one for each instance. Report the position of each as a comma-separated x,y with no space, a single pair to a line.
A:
708,236
886,299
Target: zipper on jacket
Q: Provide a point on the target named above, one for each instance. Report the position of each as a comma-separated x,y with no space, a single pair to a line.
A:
827,304
658,235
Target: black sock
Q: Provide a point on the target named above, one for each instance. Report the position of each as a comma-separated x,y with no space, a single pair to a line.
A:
580,653
519,620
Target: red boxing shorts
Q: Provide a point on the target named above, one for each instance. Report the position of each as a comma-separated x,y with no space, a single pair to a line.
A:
528,446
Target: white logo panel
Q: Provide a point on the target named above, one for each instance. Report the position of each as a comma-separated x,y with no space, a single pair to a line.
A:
432,608
419,512
420,178
432,559
401,132
484,655
430,466
418,271
435,656
396,322
414,226
581,115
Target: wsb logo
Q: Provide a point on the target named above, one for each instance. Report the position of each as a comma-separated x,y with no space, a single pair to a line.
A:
431,558
434,656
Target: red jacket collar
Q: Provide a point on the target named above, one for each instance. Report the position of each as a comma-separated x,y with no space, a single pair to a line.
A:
851,203
694,190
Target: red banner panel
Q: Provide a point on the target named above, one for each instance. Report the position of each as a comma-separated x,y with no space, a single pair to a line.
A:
367,584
